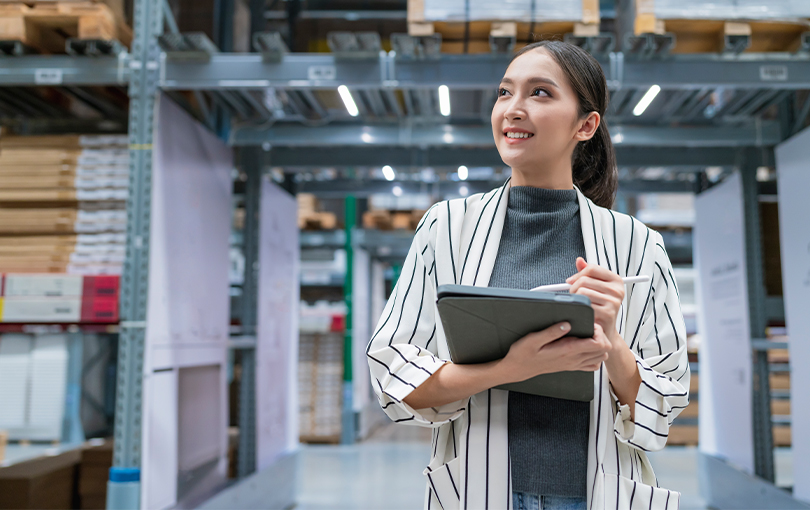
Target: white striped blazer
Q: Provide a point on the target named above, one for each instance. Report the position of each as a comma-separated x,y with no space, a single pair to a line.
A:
457,242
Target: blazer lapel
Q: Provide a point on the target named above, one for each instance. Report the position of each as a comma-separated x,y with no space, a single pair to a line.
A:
484,222
591,230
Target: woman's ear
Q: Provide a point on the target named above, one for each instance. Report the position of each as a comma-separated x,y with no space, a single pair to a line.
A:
588,127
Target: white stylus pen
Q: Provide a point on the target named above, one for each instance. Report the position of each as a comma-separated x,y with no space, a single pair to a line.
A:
558,287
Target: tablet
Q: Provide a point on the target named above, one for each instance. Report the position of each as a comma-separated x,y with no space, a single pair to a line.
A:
481,323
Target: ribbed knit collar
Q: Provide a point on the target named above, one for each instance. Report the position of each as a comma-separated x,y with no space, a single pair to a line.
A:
527,199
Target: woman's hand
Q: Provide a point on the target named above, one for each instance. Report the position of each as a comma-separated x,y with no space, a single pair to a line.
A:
605,289
551,351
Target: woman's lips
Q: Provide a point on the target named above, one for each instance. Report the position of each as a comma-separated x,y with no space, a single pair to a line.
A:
515,141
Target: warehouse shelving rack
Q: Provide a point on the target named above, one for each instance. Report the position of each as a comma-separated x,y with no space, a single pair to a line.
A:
733,137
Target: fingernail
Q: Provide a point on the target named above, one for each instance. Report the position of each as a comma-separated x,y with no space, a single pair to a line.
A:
565,326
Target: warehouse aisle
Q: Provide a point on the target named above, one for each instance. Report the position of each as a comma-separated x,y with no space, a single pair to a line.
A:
384,472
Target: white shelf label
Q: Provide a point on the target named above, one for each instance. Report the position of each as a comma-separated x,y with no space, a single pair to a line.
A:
48,76
773,73
322,73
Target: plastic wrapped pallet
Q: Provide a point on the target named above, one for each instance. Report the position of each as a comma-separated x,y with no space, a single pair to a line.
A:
320,386
725,9
508,10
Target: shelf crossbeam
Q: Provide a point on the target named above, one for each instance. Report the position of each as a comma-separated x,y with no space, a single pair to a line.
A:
65,70
477,72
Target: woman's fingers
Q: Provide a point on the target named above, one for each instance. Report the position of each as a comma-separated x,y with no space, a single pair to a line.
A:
611,288
593,271
600,299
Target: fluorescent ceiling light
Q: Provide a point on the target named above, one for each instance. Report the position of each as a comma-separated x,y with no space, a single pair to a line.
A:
463,173
397,191
389,173
444,100
646,100
348,100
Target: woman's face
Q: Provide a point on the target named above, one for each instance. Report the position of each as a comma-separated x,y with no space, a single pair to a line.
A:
535,120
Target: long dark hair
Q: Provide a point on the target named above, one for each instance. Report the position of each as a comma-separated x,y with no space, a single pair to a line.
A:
594,160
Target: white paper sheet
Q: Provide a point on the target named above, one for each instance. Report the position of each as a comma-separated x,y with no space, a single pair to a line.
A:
725,426
188,301
793,179
277,328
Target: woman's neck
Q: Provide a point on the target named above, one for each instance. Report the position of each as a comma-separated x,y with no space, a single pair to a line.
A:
548,177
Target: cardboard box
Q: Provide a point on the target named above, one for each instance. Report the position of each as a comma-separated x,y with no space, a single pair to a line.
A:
101,286
40,309
42,285
44,482
99,309
93,473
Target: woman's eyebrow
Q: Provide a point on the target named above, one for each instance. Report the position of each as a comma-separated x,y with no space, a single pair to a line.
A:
536,79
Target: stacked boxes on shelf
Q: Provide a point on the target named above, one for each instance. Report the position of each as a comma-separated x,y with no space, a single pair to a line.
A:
310,216
33,378
470,26
320,371
779,360
63,204
389,212
726,25
94,467
60,298
44,482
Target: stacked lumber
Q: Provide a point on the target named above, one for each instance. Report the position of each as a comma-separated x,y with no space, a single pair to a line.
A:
466,26
320,386
703,27
310,216
46,25
63,204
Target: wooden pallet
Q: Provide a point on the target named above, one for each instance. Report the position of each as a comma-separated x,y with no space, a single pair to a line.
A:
47,26
312,220
710,35
392,220
474,36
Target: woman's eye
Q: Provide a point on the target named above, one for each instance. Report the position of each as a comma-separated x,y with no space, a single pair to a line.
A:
502,92
538,91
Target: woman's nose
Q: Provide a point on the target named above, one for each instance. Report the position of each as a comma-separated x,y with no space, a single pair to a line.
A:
515,111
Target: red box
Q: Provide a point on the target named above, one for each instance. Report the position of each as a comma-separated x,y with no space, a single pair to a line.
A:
101,286
100,308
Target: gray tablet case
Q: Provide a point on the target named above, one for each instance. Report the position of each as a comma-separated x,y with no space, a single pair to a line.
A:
481,323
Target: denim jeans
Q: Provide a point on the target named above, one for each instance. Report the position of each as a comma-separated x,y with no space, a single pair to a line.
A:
526,501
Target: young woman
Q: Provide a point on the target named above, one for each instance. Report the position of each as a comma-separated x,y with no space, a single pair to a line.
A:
549,223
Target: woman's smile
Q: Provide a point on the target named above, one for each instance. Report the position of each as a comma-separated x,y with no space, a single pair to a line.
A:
516,135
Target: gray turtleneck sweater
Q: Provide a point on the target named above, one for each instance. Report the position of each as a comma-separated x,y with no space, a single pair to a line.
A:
548,437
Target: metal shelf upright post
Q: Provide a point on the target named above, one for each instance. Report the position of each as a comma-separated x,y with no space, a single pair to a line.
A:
143,88
348,429
763,430
251,164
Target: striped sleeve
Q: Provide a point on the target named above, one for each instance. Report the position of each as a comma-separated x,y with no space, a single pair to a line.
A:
402,353
659,343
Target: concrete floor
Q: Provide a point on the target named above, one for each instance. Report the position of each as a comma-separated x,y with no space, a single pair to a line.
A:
385,472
